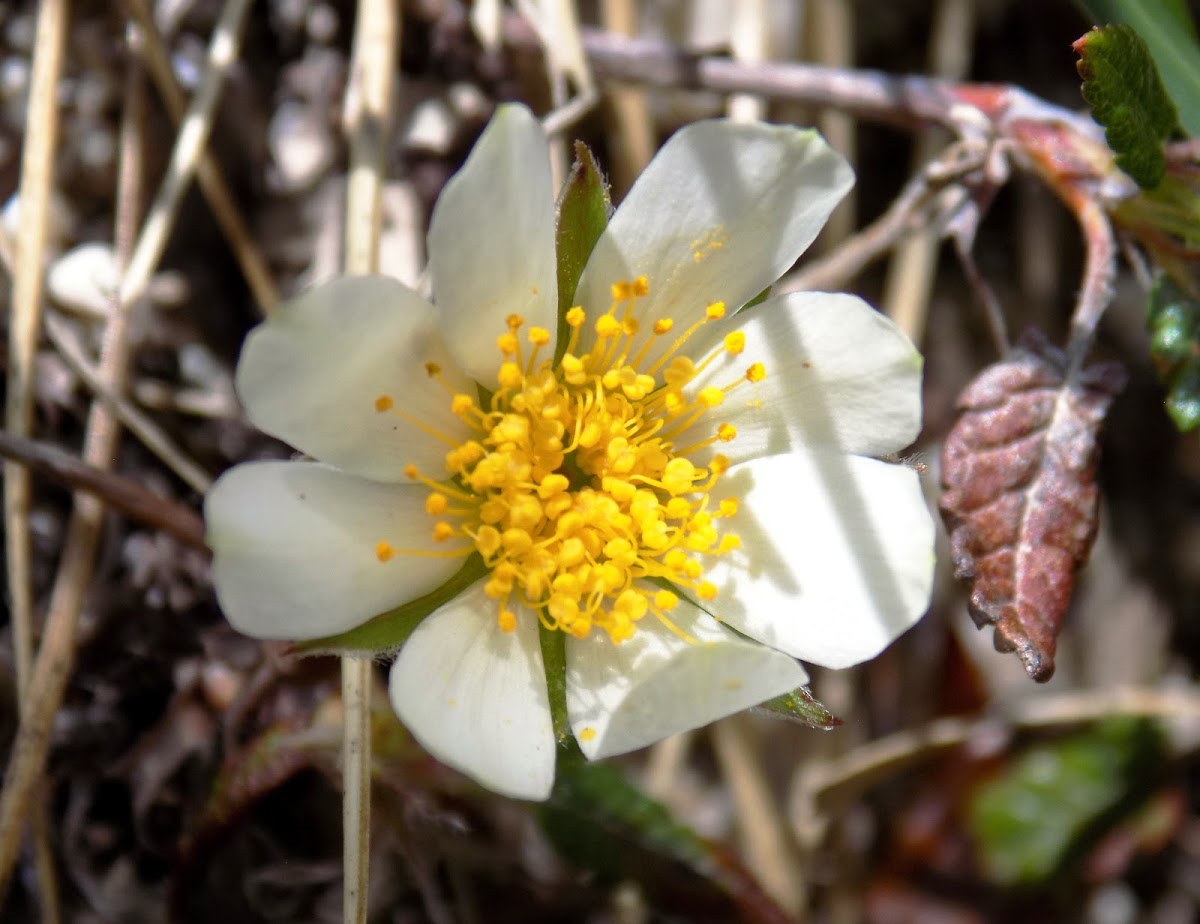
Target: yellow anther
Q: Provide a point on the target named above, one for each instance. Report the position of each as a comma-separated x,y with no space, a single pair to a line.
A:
729,542
507,621
433,369
719,464
641,286
539,336
514,321
410,471
735,342
665,600
607,326
510,375
706,590
756,373
663,326
711,396
462,404
729,507
679,475
715,311
552,484
384,403
587,734
436,503
575,317
384,550
442,531
507,343
726,432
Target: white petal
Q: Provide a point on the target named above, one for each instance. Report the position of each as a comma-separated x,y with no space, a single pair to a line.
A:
836,558
475,697
491,242
294,548
718,215
623,697
312,373
839,374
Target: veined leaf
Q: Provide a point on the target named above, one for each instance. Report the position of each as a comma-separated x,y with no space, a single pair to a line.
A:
1122,85
1170,33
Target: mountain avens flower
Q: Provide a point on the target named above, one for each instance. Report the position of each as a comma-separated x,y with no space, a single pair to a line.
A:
688,492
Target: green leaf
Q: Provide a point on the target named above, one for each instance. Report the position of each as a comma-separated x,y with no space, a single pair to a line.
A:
1121,84
388,631
1056,800
800,706
1173,322
1183,399
601,822
583,210
1167,28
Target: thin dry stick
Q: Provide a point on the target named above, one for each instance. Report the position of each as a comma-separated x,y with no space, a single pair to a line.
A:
189,143
917,207
831,23
368,117
208,175
630,126
828,787
37,171
121,493
910,277
767,848
135,420
56,656
748,42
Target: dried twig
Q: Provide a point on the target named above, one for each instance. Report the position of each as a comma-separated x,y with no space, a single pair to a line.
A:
919,205
208,175
138,423
909,281
825,789
128,497
56,656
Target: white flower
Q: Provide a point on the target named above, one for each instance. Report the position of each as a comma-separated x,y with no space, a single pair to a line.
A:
727,456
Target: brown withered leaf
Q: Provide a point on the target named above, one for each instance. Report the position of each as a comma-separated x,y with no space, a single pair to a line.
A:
1019,493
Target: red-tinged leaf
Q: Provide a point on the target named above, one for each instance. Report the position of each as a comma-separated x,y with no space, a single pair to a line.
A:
1020,496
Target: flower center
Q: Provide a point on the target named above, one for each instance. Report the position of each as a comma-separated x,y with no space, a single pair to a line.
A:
572,487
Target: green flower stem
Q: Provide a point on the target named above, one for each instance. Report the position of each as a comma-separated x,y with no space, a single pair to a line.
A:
368,111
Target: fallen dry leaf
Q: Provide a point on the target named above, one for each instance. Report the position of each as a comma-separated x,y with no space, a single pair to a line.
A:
1019,493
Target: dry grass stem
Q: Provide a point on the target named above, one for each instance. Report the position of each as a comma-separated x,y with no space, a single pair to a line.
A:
910,276
368,117
37,176
208,175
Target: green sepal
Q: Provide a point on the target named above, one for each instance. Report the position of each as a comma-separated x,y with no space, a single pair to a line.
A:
583,210
1055,801
1168,30
1127,96
1173,322
800,706
554,658
385,633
